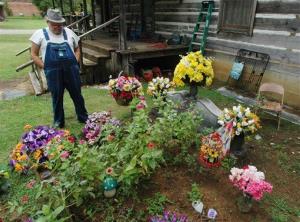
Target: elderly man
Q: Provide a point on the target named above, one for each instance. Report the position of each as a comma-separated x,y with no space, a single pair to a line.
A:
60,53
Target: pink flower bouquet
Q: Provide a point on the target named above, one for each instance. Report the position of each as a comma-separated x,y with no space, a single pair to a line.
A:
250,181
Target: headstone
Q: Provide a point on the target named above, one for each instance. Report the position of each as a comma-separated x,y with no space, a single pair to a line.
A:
208,109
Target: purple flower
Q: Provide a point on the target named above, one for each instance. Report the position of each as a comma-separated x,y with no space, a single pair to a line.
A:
169,217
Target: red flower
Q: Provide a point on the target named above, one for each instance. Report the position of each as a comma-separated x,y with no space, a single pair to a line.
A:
216,136
109,171
246,167
150,145
71,139
25,199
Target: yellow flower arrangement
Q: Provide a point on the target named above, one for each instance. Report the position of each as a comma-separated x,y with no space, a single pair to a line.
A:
194,67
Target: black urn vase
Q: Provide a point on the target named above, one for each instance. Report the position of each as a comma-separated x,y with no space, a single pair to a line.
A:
237,145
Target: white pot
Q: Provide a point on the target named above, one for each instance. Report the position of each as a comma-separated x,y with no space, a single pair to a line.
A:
109,193
198,206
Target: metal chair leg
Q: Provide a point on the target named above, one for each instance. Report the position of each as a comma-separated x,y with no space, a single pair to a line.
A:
278,116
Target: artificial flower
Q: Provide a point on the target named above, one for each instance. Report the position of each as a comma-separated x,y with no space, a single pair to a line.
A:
240,119
194,67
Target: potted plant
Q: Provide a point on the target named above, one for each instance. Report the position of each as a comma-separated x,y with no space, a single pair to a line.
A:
195,70
124,89
110,186
252,183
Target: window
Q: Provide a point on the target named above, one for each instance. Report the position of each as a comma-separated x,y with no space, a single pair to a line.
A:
237,16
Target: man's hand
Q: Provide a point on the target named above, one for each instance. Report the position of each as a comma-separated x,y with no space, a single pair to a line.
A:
77,54
35,49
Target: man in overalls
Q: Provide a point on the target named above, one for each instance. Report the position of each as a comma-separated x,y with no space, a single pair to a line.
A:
60,53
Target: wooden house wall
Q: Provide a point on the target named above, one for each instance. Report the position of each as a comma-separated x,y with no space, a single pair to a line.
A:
276,32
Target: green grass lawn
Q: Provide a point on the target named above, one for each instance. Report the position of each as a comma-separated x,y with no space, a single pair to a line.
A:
9,46
23,23
14,114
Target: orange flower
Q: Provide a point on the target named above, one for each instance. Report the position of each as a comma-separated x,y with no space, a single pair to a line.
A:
37,154
66,133
19,146
27,127
22,158
18,167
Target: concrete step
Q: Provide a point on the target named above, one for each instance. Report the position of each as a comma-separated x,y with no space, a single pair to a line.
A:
94,55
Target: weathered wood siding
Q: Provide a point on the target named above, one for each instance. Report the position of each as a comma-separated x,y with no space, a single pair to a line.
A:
276,32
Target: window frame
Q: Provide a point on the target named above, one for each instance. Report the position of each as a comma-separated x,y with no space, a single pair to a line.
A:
221,19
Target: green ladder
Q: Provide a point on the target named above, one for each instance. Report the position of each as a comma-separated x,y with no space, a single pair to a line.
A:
205,11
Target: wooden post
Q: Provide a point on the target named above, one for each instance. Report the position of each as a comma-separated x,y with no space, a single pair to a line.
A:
62,7
122,35
53,3
93,13
71,7
85,7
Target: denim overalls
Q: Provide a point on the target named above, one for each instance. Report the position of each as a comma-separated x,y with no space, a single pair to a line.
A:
62,71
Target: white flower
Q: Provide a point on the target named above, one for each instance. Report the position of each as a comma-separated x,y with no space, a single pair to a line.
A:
235,109
237,133
240,115
226,110
221,122
244,123
250,122
239,129
234,123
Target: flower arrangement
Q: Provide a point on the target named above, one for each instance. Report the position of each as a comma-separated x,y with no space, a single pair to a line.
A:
30,151
211,151
194,67
94,123
125,88
250,181
169,217
159,86
240,119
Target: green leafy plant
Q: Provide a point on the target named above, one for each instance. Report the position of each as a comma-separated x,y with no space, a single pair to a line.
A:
195,194
157,204
228,162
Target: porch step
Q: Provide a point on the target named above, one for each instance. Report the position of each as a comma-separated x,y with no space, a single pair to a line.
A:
87,62
94,55
97,46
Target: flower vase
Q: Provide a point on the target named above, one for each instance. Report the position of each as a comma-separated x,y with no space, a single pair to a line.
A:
4,186
245,203
193,90
237,145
